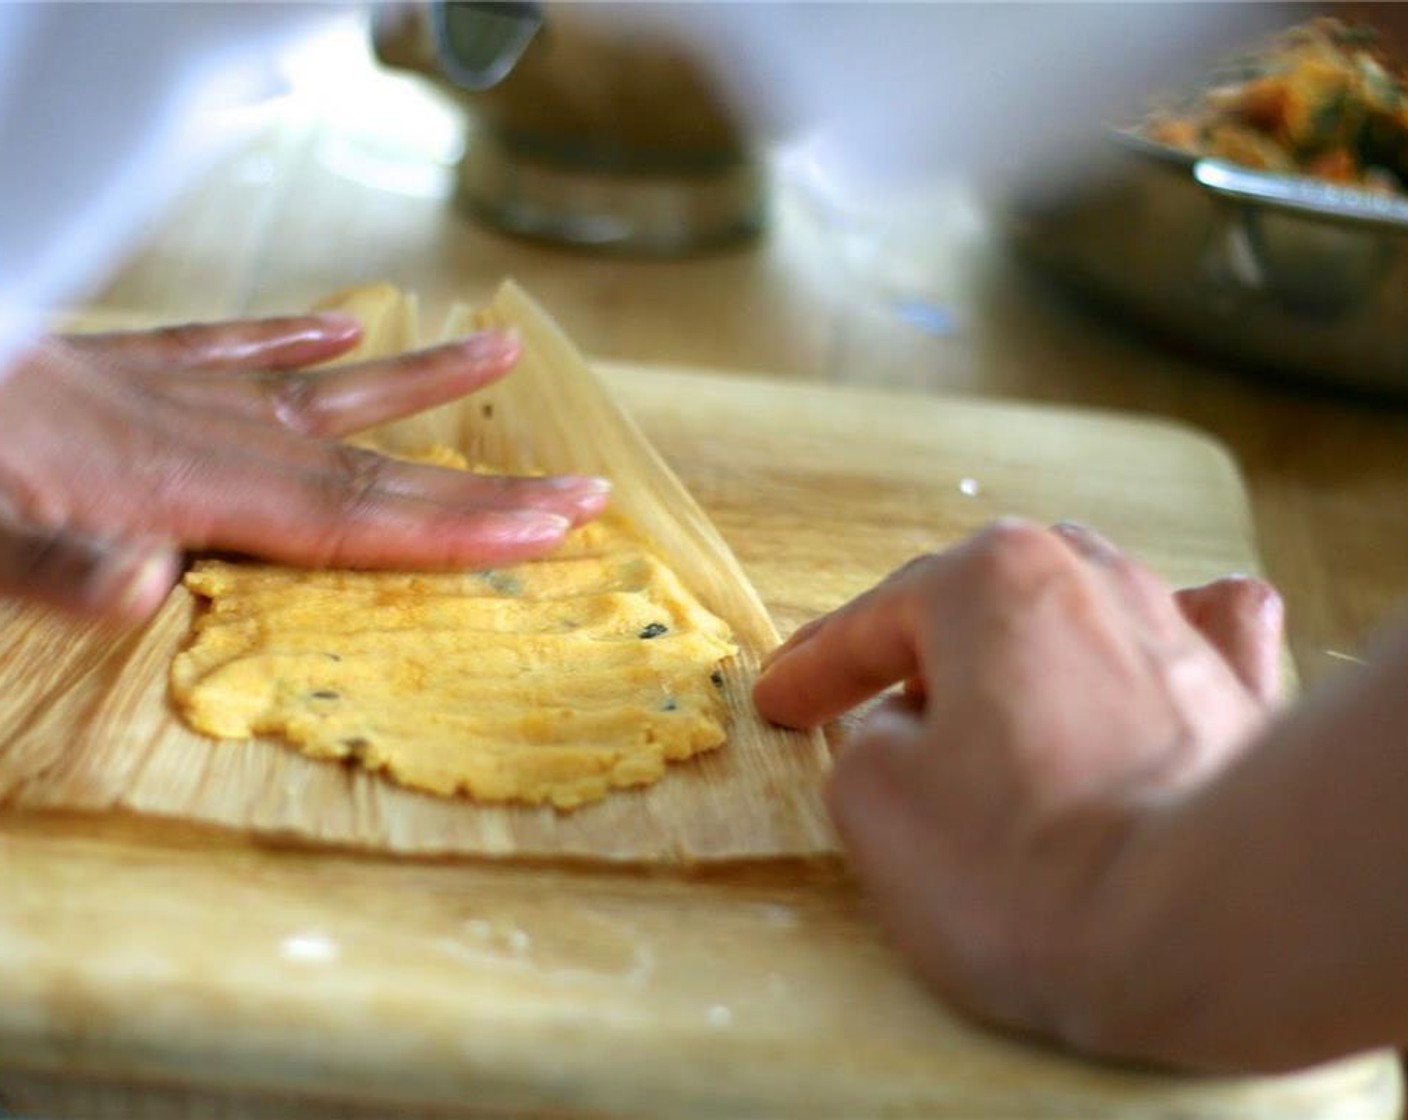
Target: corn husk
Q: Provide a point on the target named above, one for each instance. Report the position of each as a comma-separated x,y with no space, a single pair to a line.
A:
86,723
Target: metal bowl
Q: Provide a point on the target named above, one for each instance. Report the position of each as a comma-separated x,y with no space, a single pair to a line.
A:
1287,274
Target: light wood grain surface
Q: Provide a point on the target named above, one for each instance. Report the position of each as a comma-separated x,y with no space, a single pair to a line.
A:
139,954
481,989
259,993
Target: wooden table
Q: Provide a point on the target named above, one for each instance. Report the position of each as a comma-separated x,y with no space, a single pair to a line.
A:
320,200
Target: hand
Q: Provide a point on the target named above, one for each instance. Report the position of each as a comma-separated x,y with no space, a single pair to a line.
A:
119,451
1056,692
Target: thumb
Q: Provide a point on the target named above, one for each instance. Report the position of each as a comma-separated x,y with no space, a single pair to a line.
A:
121,580
1244,619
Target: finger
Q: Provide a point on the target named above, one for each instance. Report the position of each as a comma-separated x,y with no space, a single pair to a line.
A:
877,639
220,445
162,468
802,634
577,497
240,484
353,398
348,515
874,641
248,344
1141,588
325,471
858,650
121,580
1243,619
358,397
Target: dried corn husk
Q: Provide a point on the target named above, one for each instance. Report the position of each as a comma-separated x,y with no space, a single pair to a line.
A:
86,723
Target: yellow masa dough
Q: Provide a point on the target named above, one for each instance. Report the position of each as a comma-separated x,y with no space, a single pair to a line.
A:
549,681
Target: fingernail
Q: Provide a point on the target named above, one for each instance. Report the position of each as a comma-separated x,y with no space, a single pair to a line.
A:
774,653
798,636
532,524
1086,540
581,483
491,345
338,322
147,584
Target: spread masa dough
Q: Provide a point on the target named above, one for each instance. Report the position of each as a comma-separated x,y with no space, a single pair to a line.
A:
551,681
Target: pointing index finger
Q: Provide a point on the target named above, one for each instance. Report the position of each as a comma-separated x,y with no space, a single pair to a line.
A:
850,655
879,639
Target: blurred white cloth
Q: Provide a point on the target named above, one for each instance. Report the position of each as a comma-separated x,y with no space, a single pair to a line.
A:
872,97
107,111
106,108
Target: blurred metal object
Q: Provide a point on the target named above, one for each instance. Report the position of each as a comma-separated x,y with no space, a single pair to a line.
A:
583,131
561,193
1290,275
478,42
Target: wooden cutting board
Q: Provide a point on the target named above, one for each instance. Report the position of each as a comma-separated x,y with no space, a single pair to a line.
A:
139,953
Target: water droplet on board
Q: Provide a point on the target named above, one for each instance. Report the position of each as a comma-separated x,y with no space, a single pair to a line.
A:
479,929
777,916
502,938
309,947
720,1016
590,948
969,487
